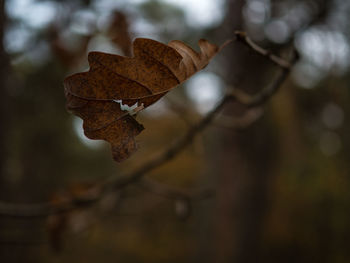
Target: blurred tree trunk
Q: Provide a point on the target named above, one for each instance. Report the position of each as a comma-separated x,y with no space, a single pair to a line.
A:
15,234
244,161
4,68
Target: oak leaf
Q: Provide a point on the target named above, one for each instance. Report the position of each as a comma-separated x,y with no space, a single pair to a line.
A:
98,96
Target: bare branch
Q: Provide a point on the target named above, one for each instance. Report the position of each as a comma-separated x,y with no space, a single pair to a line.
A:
260,98
116,183
241,122
282,63
32,209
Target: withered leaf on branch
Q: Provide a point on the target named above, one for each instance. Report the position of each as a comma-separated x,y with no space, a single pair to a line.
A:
97,95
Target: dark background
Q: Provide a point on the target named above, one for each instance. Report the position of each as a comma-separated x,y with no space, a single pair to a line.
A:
282,184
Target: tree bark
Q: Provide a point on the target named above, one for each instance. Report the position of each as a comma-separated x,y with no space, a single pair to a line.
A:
4,67
244,161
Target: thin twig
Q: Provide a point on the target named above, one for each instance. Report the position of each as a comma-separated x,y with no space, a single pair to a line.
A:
33,210
261,97
282,63
241,122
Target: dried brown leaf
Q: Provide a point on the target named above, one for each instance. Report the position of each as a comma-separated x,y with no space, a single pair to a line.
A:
140,80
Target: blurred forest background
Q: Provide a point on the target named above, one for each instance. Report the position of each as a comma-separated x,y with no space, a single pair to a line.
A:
282,184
